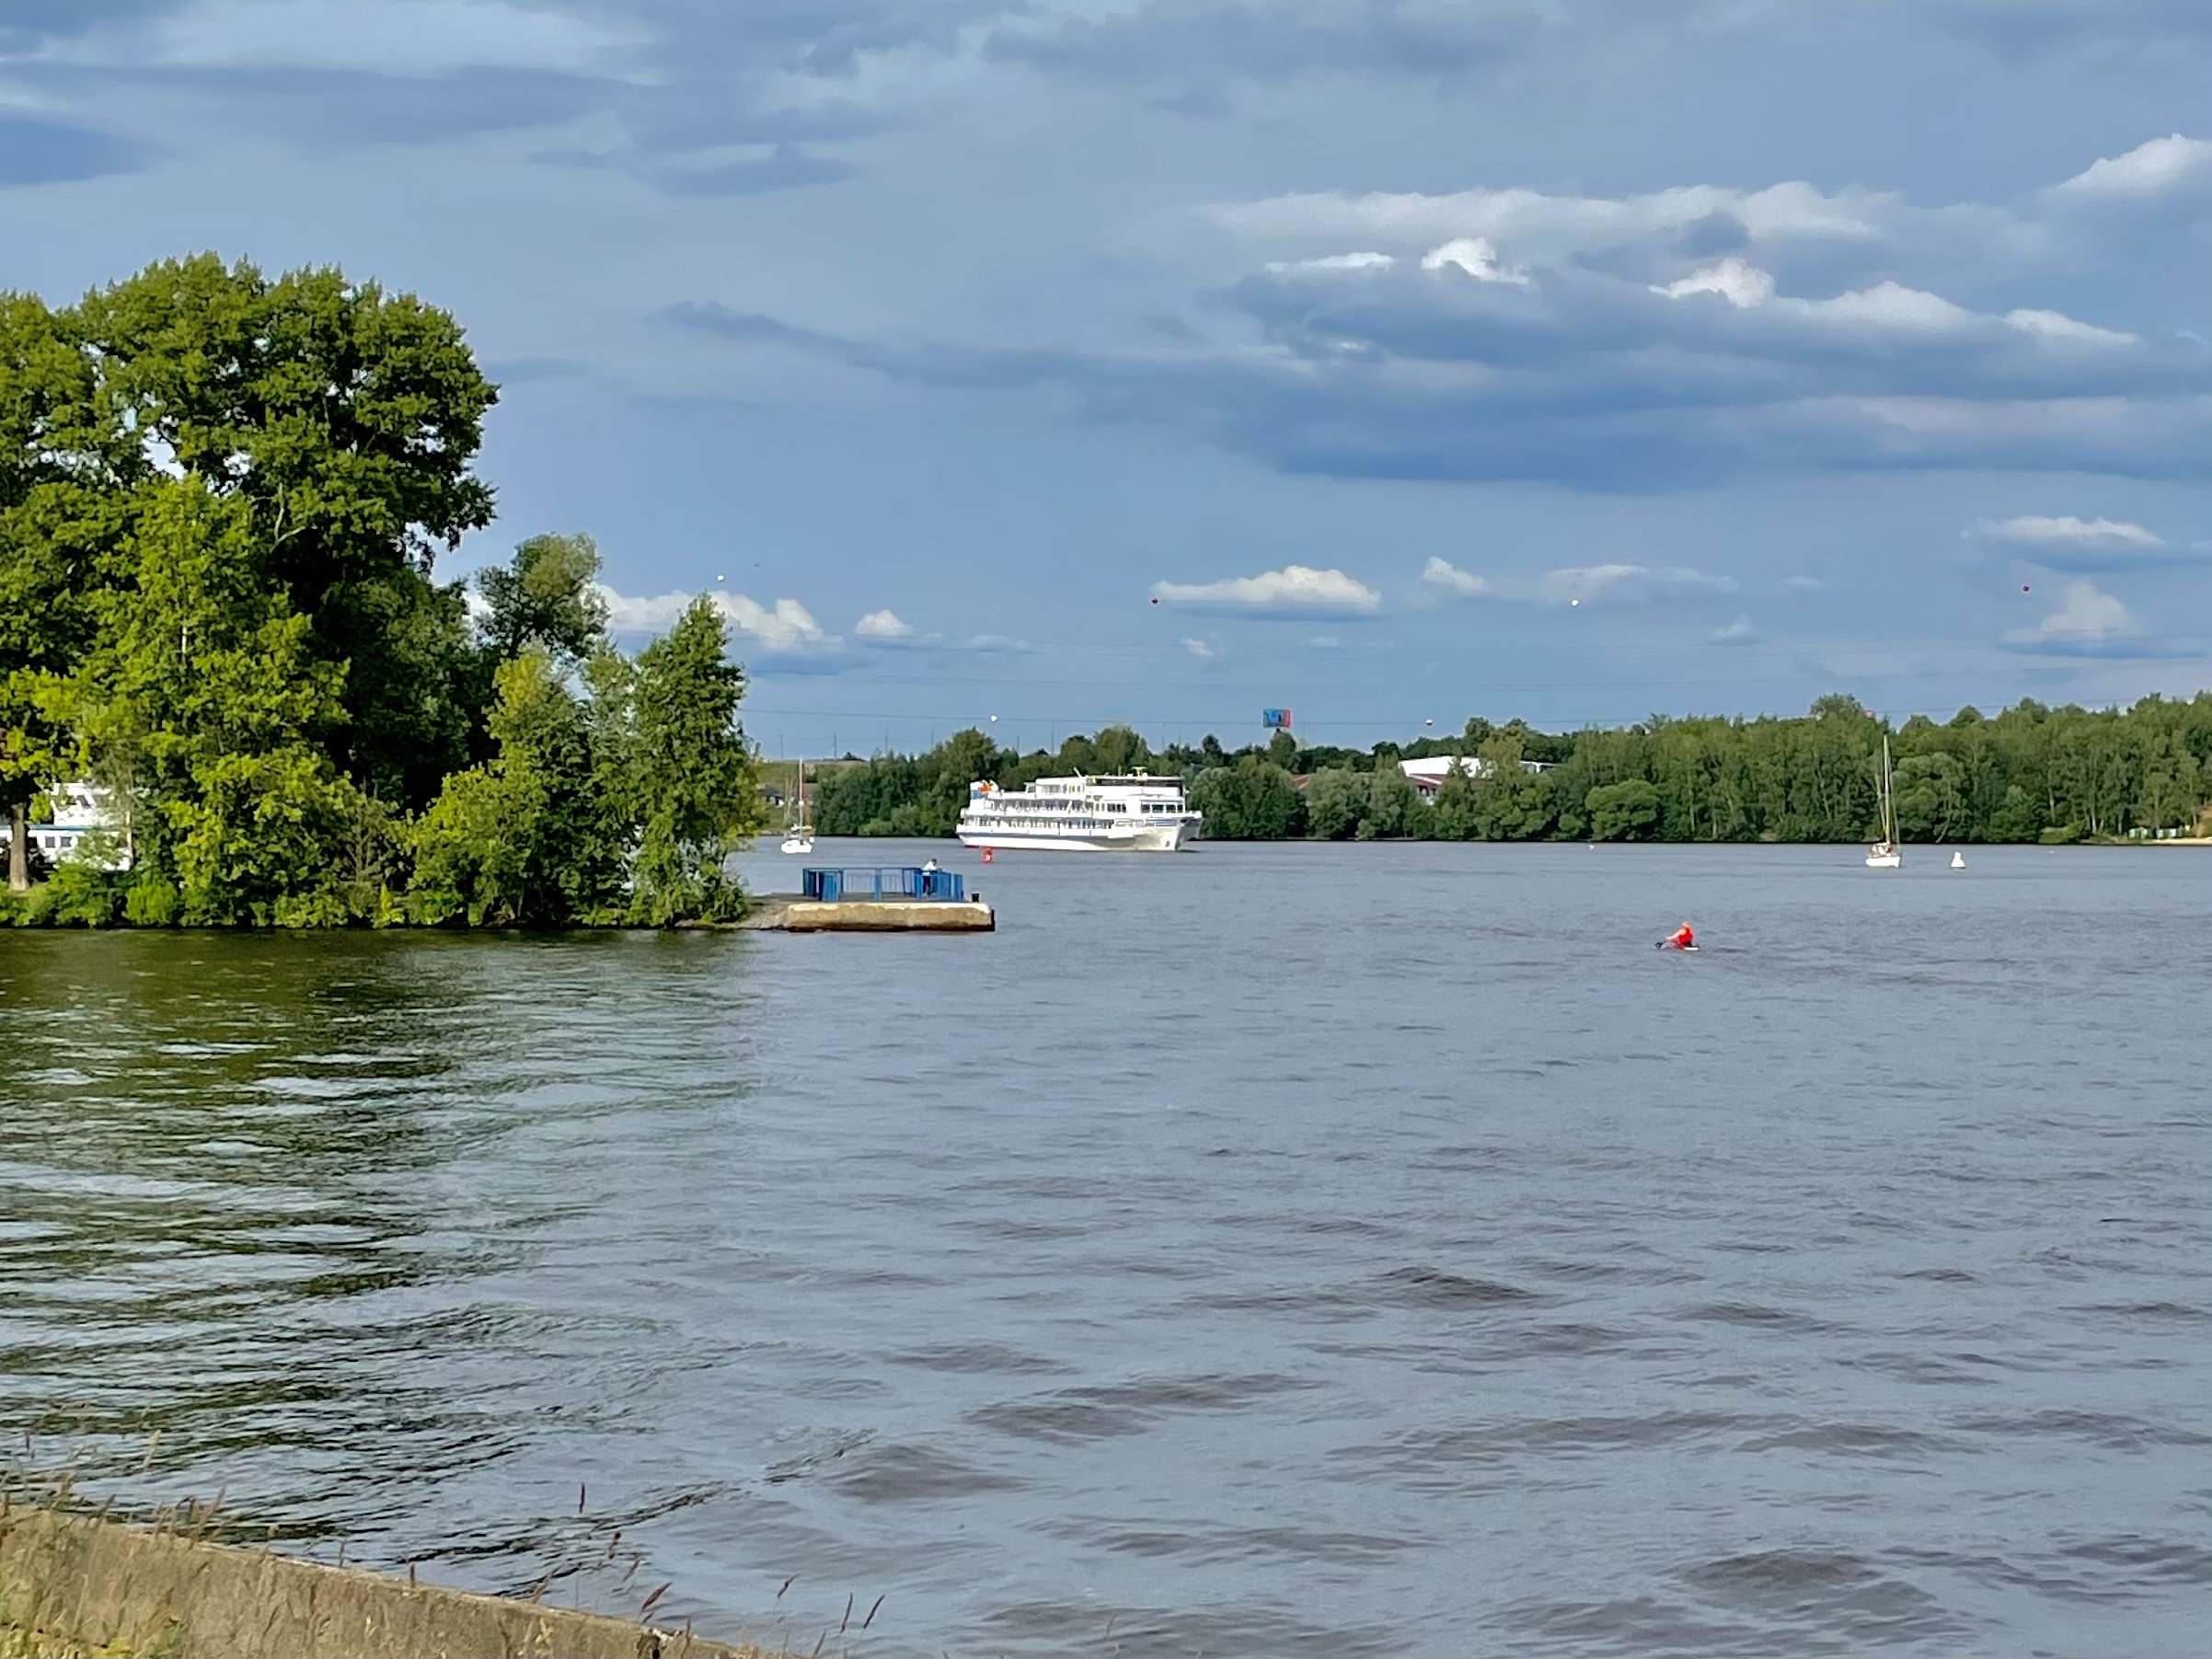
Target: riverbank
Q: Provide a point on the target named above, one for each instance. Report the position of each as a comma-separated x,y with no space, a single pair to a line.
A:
75,1585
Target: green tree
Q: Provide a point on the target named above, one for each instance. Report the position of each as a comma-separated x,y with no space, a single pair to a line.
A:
692,776
2171,781
546,595
1336,801
1623,812
1121,752
530,839
1394,807
202,699
1456,814
1251,800
344,420
965,758
1932,797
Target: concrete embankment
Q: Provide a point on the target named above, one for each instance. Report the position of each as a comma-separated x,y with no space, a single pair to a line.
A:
784,914
74,1586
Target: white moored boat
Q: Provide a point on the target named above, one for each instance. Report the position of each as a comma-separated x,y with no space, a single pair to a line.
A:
1139,813
1887,854
799,838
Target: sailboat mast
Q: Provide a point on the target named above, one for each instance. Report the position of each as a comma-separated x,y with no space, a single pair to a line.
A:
1889,797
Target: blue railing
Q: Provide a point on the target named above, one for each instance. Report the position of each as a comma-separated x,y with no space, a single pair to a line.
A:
852,884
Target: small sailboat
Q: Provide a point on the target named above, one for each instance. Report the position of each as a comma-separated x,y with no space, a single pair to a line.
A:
799,838
1885,854
1958,859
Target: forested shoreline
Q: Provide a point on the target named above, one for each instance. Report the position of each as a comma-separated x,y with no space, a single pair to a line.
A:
2029,774
222,499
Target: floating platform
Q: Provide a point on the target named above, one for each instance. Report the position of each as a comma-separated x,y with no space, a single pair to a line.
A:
784,913
874,899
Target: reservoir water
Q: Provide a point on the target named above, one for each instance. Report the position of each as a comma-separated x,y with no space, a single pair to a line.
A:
1305,1249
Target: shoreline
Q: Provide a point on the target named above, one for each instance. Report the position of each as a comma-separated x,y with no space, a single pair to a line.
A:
74,1584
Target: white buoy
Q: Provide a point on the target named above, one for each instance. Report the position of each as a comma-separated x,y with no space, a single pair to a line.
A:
1958,859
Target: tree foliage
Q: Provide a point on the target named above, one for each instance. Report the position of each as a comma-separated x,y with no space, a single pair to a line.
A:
689,773
222,498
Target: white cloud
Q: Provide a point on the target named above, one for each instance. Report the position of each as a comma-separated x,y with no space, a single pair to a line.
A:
1336,261
1293,589
785,626
1739,283
1742,631
883,624
2033,530
1442,573
2086,546
2056,326
1886,307
1580,584
2164,167
2085,618
1476,257
1201,648
1804,584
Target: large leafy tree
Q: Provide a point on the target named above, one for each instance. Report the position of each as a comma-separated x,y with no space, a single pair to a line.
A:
344,422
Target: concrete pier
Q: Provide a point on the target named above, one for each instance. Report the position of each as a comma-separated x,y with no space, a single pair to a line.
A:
786,913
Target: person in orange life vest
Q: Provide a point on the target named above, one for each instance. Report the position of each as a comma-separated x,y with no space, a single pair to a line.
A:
1683,938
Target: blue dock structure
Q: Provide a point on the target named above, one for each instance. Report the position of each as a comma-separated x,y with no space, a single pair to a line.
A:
876,882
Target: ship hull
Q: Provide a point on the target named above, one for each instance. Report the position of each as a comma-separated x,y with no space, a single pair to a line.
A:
1140,838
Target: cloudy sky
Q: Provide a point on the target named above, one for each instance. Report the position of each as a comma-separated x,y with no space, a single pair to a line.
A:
1161,359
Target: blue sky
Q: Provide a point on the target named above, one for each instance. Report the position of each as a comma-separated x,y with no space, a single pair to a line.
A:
1071,361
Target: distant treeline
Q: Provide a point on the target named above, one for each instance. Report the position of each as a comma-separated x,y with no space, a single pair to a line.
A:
2029,774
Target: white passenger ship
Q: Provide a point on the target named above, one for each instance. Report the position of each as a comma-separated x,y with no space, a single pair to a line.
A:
1139,813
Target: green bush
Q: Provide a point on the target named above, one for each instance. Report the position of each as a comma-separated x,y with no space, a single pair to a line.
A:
81,895
152,900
